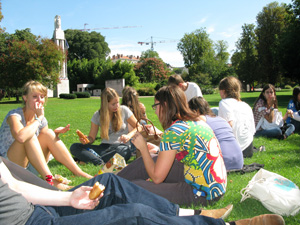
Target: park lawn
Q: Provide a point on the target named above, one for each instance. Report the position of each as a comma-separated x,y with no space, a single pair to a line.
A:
281,157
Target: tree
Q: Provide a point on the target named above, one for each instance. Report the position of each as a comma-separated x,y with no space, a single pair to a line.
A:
24,61
289,48
198,53
85,45
245,58
151,69
150,54
270,24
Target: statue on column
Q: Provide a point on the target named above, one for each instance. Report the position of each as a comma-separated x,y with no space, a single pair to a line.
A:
60,40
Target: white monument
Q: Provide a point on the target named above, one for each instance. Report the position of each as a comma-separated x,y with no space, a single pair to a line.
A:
60,40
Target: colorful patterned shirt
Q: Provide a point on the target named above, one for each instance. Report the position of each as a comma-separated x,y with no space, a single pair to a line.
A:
199,150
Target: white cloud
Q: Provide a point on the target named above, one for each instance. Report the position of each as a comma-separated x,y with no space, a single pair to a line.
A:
203,20
210,29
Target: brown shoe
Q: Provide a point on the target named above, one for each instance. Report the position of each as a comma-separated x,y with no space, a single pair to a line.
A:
266,219
218,213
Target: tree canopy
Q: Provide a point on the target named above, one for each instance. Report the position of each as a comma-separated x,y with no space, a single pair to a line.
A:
85,45
24,60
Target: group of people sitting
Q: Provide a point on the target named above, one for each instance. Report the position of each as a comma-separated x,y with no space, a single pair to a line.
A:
188,166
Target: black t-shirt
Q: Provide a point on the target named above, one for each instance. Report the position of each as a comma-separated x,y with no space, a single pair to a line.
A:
14,208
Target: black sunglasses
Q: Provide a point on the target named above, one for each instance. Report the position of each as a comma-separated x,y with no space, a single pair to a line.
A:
155,106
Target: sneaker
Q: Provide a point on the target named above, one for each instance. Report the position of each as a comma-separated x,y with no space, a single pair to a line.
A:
266,219
218,213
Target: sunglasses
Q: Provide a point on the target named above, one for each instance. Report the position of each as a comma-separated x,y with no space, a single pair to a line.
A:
155,106
146,127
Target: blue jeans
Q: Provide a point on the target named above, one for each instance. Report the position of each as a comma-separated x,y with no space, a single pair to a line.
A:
275,132
123,203
105,151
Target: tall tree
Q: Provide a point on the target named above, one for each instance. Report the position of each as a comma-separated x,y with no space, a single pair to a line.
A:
244,60
85,45
270,24
198,53
289,51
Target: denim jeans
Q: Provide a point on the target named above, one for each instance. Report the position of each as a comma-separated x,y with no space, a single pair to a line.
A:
105,151
275,132
123,203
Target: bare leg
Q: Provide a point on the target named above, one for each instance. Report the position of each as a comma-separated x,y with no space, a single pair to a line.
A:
30,151
50,142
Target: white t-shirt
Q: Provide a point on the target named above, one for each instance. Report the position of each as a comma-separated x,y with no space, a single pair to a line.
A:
241,115
193,90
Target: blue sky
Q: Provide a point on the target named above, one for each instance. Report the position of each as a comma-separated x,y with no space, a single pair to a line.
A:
167,21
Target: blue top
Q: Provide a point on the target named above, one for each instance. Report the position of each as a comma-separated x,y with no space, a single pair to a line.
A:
232,153
292,107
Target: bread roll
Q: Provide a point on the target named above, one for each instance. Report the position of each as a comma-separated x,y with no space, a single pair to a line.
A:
81,135
96,191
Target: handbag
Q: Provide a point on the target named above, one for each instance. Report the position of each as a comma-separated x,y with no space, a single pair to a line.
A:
148,130
278,194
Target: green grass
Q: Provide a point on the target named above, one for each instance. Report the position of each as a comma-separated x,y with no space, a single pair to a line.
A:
281,157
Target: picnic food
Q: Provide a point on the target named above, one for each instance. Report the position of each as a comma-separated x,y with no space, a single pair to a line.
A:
81,135
61,179
96,191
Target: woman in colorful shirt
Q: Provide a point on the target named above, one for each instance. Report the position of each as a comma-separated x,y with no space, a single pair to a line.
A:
189,168
294,105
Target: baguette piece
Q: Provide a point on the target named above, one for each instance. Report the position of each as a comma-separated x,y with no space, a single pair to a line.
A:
81,135
96,191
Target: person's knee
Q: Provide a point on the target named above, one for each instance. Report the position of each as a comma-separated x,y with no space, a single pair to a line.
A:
75,148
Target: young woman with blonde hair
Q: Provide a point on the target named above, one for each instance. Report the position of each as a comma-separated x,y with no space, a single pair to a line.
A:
113,121
25,138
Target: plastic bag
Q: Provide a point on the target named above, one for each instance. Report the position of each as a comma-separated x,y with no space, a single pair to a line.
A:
278,194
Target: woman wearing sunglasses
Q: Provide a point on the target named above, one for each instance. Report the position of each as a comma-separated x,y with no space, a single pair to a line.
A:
189,168
113,121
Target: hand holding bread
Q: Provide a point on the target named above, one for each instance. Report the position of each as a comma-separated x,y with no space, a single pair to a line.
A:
96,191
82,136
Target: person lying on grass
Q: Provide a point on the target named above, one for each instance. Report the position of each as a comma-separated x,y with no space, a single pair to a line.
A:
121,203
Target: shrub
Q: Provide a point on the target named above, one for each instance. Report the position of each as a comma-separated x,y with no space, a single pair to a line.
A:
67,96
146,91
207,90
82,94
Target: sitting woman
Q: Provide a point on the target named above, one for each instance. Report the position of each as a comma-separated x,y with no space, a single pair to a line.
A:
294,105
130,98
237,113
113,121
25,138
189,168
231,151
268,120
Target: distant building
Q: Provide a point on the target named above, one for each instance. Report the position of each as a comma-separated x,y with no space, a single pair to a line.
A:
129,58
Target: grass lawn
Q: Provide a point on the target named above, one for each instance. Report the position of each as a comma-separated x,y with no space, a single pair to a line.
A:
281,157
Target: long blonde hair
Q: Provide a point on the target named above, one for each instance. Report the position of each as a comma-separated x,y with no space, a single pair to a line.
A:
107,95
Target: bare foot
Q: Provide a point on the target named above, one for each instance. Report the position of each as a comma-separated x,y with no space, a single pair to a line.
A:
61,186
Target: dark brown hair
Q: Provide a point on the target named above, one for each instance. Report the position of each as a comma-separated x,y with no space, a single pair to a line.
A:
201,106
173,106
130,98
261,96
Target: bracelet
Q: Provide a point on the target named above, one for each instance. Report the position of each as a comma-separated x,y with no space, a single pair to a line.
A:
38,119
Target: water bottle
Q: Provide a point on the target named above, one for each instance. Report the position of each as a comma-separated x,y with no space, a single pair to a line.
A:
96,154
